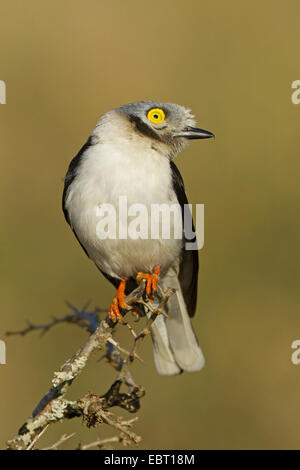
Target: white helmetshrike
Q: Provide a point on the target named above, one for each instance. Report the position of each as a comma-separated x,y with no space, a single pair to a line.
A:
130,153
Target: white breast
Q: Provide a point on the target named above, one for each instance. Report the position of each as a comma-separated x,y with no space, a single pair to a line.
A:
122,168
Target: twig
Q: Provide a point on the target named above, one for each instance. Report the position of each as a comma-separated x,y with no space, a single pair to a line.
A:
89,321
154,313
100,443
37,438
63,438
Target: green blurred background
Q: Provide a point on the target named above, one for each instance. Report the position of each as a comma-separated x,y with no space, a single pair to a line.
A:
65,63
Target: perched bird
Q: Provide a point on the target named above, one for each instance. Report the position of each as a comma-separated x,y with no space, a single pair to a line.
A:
130,153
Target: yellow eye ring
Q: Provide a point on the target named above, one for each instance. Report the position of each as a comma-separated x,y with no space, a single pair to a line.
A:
156,115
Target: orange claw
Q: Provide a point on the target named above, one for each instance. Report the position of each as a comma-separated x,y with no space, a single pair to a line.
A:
152,280
117,303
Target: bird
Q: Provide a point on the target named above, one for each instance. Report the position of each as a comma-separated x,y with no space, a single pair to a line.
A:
130,153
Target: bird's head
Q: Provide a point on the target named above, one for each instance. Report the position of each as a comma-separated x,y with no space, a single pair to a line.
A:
168,123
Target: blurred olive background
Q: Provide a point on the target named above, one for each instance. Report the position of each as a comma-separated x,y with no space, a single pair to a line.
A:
65,63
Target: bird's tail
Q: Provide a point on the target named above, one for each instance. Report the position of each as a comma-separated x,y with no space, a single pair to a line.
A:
174,342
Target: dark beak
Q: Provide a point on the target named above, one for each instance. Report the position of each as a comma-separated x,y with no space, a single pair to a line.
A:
194,133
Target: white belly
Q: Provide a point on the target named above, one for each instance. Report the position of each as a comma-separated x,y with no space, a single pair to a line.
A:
107,172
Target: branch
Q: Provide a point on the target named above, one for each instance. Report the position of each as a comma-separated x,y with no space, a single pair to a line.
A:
93,409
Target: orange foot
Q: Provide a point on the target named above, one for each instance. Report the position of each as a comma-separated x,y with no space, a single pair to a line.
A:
118,303
152,280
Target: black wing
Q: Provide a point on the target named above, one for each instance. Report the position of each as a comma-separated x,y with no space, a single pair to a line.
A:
189,265
70,176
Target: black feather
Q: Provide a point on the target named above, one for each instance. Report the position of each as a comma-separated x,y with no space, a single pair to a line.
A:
70,176
189,265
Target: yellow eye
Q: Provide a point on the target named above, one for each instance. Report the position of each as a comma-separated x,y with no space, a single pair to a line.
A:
156,115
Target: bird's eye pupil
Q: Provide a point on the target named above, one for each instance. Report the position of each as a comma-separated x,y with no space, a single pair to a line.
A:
155,116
